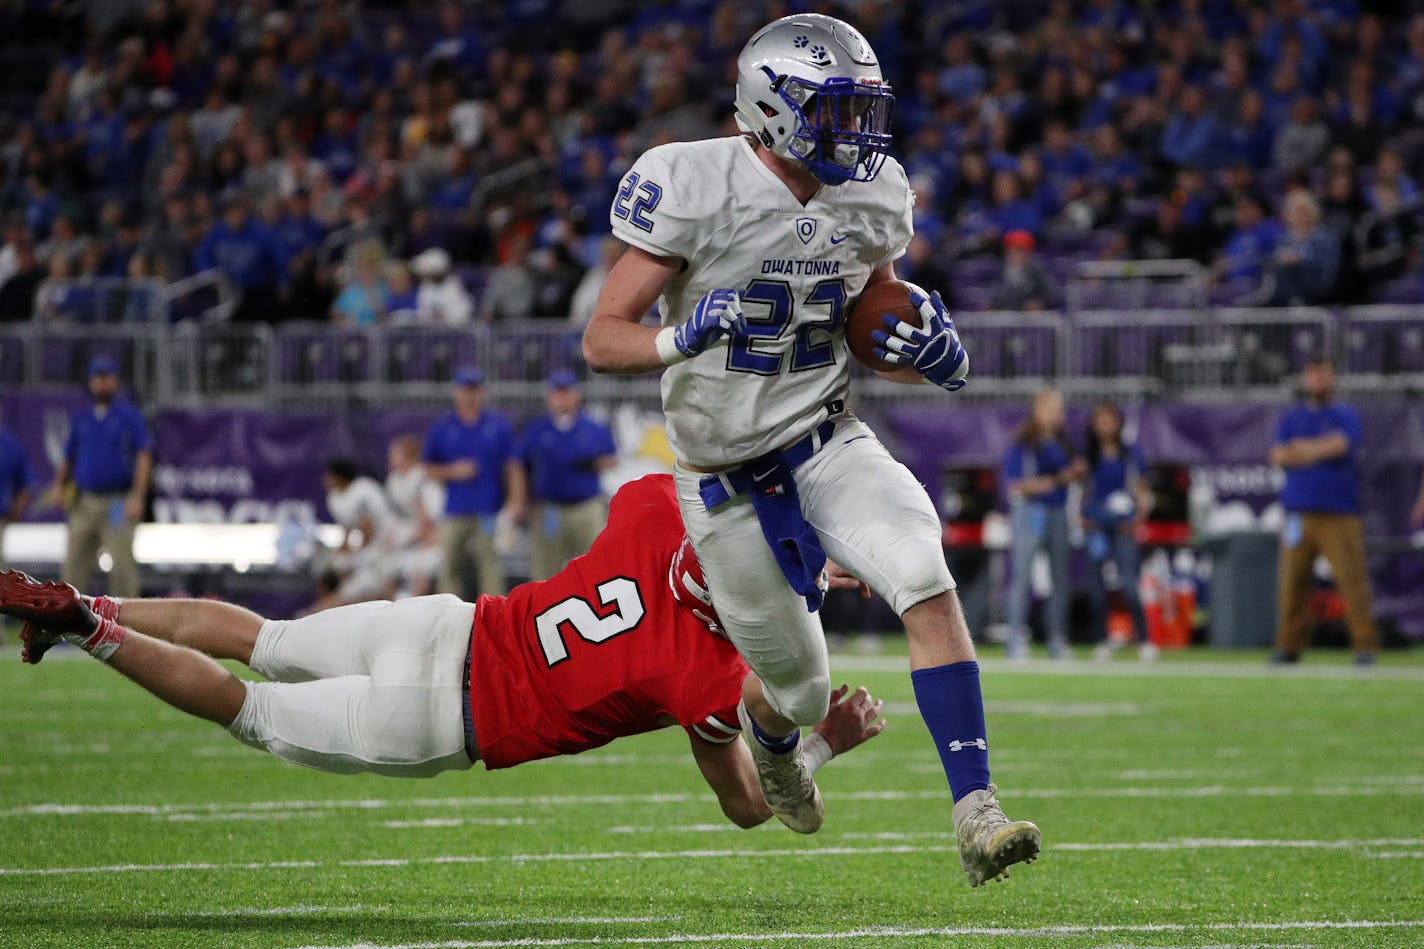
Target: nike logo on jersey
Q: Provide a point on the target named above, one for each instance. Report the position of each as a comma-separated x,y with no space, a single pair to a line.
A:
837,240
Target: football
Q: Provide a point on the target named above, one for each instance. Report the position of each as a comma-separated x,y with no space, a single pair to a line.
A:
867,315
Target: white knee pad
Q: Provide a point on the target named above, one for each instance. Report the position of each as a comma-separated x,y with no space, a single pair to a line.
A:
804,702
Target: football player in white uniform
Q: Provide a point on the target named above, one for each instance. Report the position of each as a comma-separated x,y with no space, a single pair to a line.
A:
752,247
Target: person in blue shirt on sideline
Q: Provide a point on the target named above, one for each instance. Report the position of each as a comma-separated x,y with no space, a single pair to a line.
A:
1317,443
103,478
1039,466
471,450
17,479
563,451
1115,500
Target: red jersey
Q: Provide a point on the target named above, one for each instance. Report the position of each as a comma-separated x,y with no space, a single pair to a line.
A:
602,649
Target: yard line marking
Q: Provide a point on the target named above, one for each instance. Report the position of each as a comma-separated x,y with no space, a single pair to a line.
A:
1405,788
737,853
1190,669
463,822
1398,854
272,911
871,932
562,920
247,815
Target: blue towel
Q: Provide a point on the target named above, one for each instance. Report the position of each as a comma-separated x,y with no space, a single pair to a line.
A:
771,486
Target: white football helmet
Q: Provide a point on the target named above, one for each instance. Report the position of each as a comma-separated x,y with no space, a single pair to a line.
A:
810,89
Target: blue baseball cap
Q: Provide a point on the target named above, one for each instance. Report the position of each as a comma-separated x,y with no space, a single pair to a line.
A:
563,379
469,376
103,366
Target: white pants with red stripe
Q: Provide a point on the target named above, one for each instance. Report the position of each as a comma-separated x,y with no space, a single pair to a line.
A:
872,517
370,687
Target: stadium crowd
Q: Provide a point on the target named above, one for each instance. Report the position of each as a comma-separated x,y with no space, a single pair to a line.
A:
448,161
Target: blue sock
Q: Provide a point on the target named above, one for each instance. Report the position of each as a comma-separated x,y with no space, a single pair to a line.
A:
777,746
953,708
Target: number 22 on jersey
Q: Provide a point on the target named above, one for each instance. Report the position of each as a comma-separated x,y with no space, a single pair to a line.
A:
814,347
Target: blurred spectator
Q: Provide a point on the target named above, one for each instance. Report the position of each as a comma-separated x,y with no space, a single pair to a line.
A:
1307,257
1038,468
61,297
1024,283
1390,167
400,293
442,297
1116,499
1244,258
362,561
564,451
1191,138
591,284
244,251
17,294
17,481
364,296
1386,238
1302,141
471,450
1317,444
103,481
15,236
1166,236
416,502
919,266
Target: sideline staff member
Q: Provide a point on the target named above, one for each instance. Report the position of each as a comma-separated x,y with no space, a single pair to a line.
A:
471,449
107,460
1316,444
16,480
564,450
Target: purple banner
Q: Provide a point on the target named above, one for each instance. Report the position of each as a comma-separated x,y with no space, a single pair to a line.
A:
258,465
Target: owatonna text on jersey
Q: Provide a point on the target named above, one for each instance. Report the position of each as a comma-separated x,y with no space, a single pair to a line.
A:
718,207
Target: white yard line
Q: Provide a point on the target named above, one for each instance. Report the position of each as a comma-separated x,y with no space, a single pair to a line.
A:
273,911
568,920
1404,786
1187,669
732,853
872,932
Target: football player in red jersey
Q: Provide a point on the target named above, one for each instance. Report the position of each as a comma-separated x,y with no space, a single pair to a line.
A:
621,641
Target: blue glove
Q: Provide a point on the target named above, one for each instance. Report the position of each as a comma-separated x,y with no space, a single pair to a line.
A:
933,350
718,313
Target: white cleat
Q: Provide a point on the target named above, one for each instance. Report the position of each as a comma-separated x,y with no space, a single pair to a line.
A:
786,782
988,841
1147,652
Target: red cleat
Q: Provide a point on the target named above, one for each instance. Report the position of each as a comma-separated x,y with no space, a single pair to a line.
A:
35,642
49,610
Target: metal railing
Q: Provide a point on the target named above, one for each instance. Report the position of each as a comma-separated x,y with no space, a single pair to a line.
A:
1209,354
91,300
208,296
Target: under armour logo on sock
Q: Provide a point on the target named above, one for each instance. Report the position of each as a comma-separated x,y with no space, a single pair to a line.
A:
979,743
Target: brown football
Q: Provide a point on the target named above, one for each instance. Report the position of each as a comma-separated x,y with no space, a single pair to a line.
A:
867,315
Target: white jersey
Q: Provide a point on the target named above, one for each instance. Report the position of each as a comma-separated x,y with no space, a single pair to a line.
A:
361,500
715,205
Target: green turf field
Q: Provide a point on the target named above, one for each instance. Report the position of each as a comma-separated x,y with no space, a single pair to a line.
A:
1199,802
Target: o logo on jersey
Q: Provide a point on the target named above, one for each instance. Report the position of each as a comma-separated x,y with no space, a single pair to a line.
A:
805,229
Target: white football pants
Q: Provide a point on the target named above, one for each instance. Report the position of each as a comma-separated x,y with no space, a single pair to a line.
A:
873,518
370,687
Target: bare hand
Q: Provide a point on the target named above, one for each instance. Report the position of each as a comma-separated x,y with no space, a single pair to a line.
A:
462,470
838,578
851,722
133,509
1416,516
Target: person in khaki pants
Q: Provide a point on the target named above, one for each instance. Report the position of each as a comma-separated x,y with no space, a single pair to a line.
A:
107,462
471,450
16,480
564,450
1316,443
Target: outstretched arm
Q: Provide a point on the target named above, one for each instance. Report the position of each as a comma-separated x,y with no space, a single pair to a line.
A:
731,774
615,339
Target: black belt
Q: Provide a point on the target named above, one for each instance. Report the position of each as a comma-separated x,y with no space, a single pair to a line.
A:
722,486
471,748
